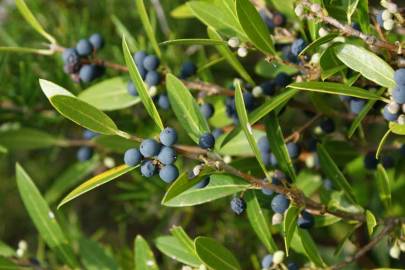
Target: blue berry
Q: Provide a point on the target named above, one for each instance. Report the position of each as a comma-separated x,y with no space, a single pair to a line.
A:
282,80
379,18
217,132
266,19
370,162
268,87
168,136
263,144
84,47
163,102
167,155
132,89
389,116
70,54
169,173
88,73
84,153
96,41
327,184
345,98
280,203
327,125
238,205
292,266
273,160
399,77
151,62
356,26
139,56
152,78
267,261
188,69
203,183
305,220
297,46
399,94
206,141
148,168
142,71
294,149
312,144
88,134
249,101
149,148
356,105
388,162
207,110
132,157
267,191
266,158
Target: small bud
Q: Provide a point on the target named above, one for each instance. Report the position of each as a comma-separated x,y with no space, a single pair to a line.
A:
315,58
388,24
310,161
393,107
403,108
109,162
242,52
401,119
197,170
316,8
299,10
278,257
227,159
22,244
257,91
392,7
20,253
318,130
395,251
322,32
233,42
153,90
402,246
277,219
386,15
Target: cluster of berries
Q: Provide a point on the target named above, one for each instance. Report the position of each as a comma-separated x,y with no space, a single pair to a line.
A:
156,157
240,48
269,159
385,18
395,110
85,153
77,60
270,261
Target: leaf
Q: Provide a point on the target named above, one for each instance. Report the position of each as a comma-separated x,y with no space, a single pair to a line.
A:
30,18
140,85
26,50
43,218
383,185
367,63
181,12
114,143
229,56
185,108
351,8
122,30
193,41
318,42
371,222
278,146
238,146
246,127
397,128
6,250
331,170
363,17
95,257
340,246
147,26
336,89
310,247
26,139
109,95
290,225
96,181
254,27
8,264
326,220
214,255
258,221
381,143
144,258
170,246
185,240
221,185
3,150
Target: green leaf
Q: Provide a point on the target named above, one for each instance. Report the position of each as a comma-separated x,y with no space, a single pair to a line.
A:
122,30
371,222
229,56
181,12
290,225
26,139
326,220
144,258
340,246
318,42
351,8
310,247
193,41
397,128
221,185
96,181
114,143
214,255
258,221
381,143
363,17
3,150
237,146
140,85
95,257
109,95
147,26
286,7
254,27
246,127
278,146
43,218
173,248
383,185
185,240
6,250
30,18
367,63
336,89
26,50
7,264
331,170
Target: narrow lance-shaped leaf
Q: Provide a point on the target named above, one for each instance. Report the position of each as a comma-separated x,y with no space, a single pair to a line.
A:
318,42
141,10
185,240
310,248
140,85
383,184
95,256
290,225
27,139
193,41
26,50
172,247
371,222
144,258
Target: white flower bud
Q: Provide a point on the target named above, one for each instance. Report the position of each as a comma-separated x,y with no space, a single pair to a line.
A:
386,15
233,42
395,252
299,10
392,7
403,108
310,161
22,244
20,253
278,257
153,90
322,32
401,119
393,107
402,246
277,219
257,91
318,130
242,52
109,162
197,170
315,8
315,58
227,159
388,24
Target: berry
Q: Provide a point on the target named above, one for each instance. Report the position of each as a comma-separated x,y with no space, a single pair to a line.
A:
84,153
292,266
379,18
356,105
96,41
152,78
169,173
282,80
388,162
249,101
297,46
139,56
84,47
312,144
279,19
345,98
370,162
148,168
203,183
151,62
327,125
266,191
327,184
149,148
280,203
238,205
389,116
206,141
168,136
273,160
305,220
187,69
217,132
242,52
69,54
88,134
132,157
163,102
132,89
399,77
399,94
167,155
207,110
293,149
267,261
266,158
266,19
269,88
356,26
88,73
71,61
263,144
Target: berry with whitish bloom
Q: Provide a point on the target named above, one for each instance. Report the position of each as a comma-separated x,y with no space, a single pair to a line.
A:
149,148
399,77
294,149
266,190
305,220
297,46
278,257
280,203
187,69
265,158
249,101
217,132
389,24
148,168
370,162
273,160
151,62
207,110
299,10
227,159
242,52
393,107
277,218
152,78
168,136
96,41
327,184
169,173
392,7
87,73
315,7
257,91
139,56
234,42
206,141
88,134
238,205
263,144
132,157
84,47
267,261
398,94
167,155
395,252
388,115
132,89
264,14
163,102
203,183
84,153
356,105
